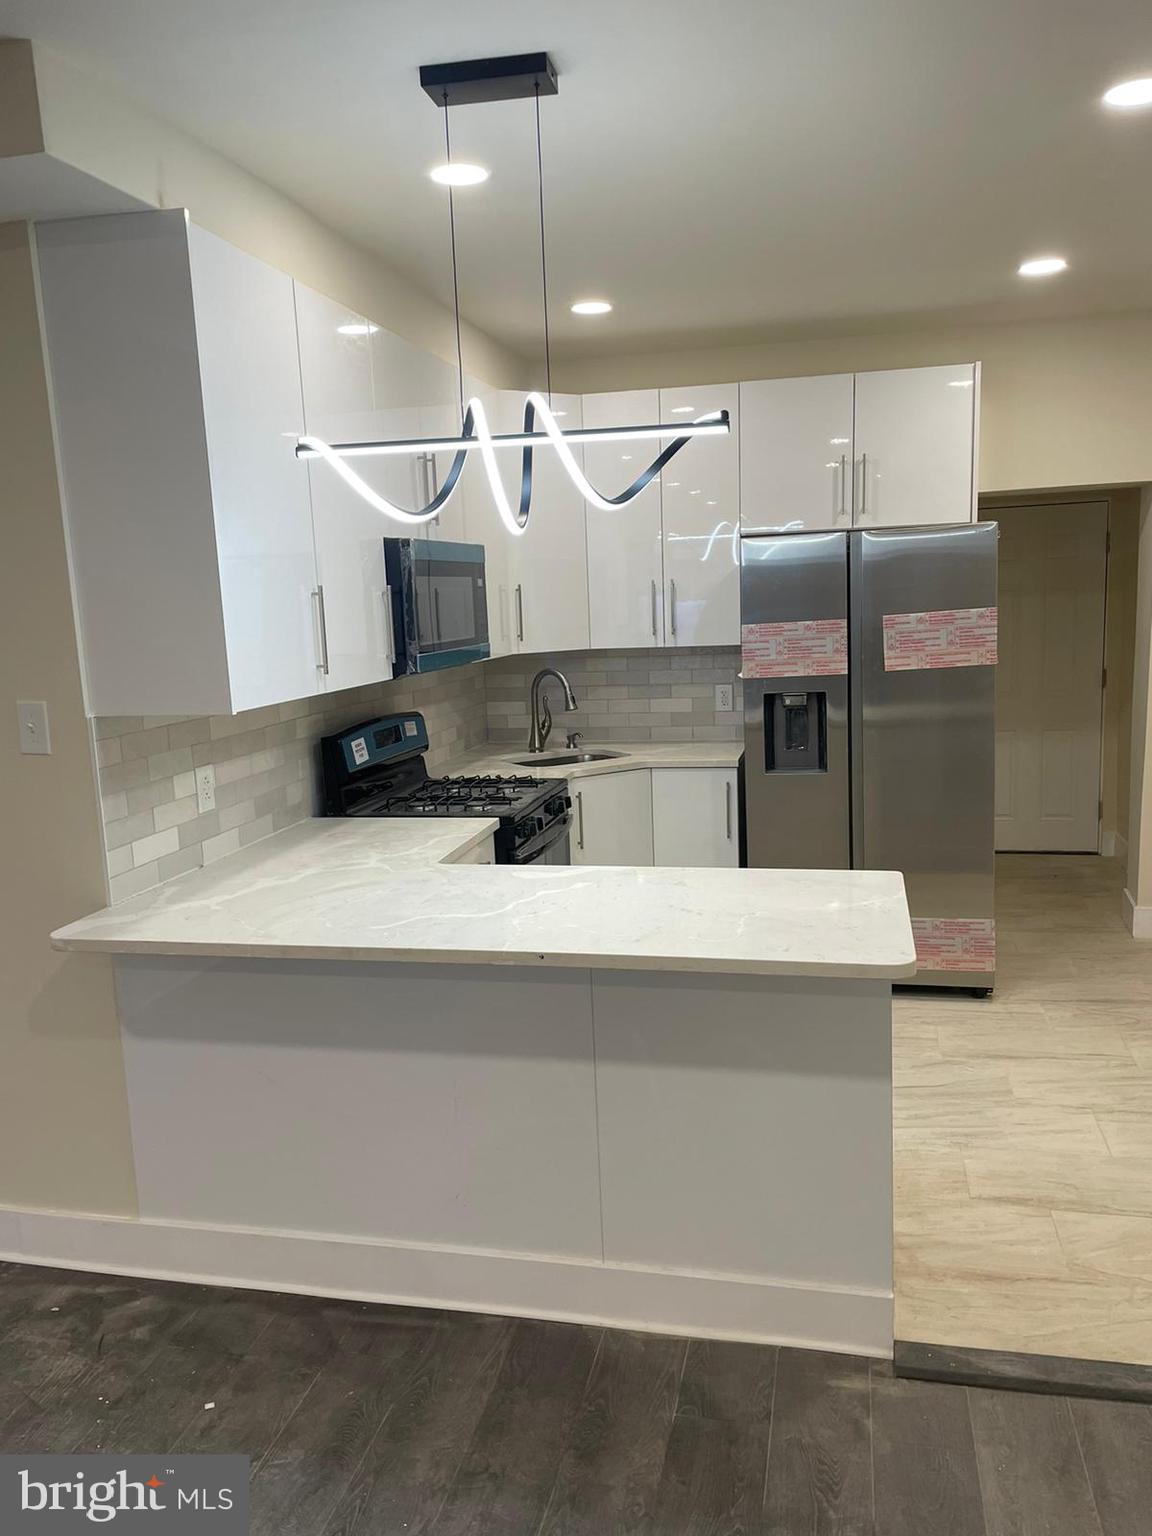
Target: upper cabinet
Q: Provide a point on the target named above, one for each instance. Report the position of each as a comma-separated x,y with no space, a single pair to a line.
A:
865,450
796,460
176,385
351,593
700,501
915,445
549,561
415,395
625,551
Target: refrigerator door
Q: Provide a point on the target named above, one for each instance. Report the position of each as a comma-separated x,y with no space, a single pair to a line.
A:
794,636
923,727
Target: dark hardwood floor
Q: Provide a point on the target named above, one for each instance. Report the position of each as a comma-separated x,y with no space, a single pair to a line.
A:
366,1421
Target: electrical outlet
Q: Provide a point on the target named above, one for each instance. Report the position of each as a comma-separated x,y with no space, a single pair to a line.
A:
724,692
206,788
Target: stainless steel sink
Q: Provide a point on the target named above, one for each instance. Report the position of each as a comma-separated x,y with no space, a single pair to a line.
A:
561,759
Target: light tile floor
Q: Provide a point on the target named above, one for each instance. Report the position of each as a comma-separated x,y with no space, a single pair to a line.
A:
1023,1131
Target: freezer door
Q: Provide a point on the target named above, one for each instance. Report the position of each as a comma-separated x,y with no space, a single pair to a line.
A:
793,615
924,734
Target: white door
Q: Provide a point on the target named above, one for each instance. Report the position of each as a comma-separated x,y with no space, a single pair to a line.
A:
700,496
336,379
694,818
250,379
550,560
612,818
796,454
915,443
1053,561
625,565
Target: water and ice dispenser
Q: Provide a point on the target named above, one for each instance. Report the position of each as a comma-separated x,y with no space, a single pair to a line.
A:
796,732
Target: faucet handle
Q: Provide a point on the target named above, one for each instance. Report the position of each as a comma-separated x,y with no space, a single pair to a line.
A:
573,738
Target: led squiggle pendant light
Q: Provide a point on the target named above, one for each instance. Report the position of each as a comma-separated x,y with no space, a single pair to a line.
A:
504,79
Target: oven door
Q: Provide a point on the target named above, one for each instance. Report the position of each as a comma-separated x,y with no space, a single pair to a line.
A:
439,603
551,847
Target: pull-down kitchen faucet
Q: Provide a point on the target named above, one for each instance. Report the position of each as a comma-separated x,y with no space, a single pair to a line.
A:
538,707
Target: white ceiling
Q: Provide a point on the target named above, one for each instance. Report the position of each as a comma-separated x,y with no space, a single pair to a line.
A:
723,170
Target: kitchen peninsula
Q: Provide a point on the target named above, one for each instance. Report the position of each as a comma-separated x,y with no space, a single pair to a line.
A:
654,1097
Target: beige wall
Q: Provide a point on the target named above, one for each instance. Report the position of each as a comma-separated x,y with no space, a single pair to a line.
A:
1063,402
1140,814
63,1112
116,141
1119,643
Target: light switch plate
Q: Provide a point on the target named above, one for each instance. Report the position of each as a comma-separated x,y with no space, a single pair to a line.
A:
32,715
206,788
724,704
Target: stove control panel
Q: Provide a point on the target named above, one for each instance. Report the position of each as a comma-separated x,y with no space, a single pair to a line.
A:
386,740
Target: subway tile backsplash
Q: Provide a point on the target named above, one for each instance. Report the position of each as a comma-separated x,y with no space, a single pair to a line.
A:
267,770
267,760
632,695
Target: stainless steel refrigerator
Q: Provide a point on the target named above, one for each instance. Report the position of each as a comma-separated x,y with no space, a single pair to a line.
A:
868,661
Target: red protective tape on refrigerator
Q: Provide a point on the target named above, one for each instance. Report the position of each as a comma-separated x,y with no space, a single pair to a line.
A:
795,648
942,637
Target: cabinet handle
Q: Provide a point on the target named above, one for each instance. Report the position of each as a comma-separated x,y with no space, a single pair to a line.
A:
843,512
519,613
728,809
389,627
653,609
863,485
579,819
672,605
318,601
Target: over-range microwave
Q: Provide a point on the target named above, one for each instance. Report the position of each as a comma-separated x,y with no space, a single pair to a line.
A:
439,603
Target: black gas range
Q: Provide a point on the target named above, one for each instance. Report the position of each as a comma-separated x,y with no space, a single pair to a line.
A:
378,769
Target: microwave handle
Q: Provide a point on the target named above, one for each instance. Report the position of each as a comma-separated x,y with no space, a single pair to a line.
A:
389,628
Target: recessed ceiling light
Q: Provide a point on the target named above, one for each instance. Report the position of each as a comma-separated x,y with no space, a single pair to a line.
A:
1130,93
458,173
358,328
1041,266
591,307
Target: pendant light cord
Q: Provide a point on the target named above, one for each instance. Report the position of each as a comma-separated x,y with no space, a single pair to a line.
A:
455,274
543,254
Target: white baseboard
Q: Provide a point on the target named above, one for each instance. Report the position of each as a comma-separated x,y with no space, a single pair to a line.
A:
1113,845
1138,919
654,1301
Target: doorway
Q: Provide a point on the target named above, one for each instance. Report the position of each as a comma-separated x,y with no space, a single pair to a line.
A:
1050,678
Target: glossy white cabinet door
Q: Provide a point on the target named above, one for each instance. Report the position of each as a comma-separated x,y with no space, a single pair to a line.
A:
796,454
700,493
612,818
336,378
625,561
482,521
402,408
249,376
915,441
694,818
438,389
550,560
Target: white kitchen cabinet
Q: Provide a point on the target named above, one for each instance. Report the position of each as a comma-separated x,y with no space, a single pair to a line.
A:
796,454
625,548
176,386
695,818
336,379
549,562
415,395
482,524
915,446
700,499
612,818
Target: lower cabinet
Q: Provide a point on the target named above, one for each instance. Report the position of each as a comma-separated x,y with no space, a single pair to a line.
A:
612,818
666,816
483,853
694,817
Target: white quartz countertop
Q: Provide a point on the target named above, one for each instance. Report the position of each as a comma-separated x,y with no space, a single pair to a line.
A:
387,890
505,758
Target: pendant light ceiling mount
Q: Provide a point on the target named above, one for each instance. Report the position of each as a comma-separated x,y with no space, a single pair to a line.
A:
515,77
510,78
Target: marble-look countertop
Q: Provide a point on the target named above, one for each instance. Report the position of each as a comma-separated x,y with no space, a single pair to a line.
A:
331,889
497,757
